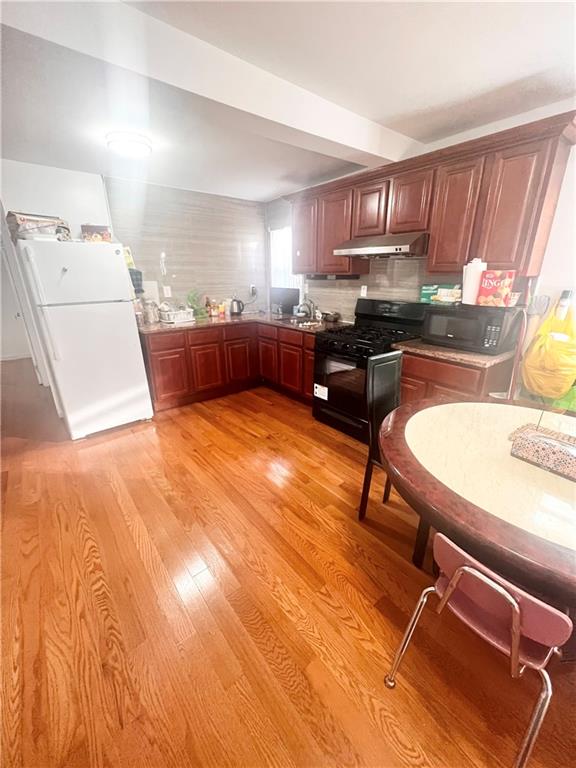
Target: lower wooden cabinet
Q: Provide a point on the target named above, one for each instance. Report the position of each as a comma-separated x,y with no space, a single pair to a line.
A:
411,389
268,359
308,380
207,366
424,377
241,360
169,373
290,367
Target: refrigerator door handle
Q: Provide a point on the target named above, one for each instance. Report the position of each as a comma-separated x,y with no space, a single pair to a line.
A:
52,346
36,283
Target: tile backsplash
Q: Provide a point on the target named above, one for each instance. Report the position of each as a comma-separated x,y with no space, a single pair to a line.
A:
215,245
398,279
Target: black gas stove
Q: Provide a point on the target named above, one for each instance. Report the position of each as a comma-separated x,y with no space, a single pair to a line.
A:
379,324
341,357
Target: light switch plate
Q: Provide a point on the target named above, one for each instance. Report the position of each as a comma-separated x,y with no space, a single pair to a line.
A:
363,291
167,291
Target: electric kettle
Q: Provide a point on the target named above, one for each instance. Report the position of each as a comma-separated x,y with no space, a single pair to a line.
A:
236,307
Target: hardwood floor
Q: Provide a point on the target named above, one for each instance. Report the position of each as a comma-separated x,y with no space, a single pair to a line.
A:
197,591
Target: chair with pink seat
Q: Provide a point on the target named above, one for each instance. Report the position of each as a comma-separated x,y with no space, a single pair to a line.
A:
518,624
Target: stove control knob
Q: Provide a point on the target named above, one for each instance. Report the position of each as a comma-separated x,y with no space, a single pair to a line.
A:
370,352
346,347
333,344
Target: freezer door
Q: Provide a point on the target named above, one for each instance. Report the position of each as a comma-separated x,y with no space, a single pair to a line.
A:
75,273
97,362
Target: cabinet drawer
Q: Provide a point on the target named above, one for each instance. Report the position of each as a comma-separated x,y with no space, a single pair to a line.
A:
455,376
309,341
290,337
240,331
268,331
205,336
159,342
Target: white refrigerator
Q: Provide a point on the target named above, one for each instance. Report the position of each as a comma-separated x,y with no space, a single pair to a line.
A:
82,305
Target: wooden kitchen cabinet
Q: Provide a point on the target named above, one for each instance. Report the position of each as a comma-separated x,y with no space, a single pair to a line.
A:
290,367
410,196
511,199
318,226
268,359
412,389
427,377
240,356
207,366
453,214
334,227
370,206
304,234
169,374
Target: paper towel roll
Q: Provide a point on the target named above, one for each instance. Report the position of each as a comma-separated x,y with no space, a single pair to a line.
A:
472,274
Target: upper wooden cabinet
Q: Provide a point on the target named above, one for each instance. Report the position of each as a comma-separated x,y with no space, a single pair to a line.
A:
453,214
304,214
493,197
370,203
410,196
512,197
318,226
334,226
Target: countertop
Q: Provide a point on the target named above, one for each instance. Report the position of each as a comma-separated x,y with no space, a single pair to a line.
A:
256,317
473,359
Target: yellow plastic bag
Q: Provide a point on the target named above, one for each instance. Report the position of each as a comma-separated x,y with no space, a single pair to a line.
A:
549,367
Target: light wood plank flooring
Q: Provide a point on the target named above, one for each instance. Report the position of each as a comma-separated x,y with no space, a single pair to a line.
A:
197,591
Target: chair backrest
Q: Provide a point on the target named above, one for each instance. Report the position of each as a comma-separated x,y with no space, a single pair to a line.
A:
538,620
382,393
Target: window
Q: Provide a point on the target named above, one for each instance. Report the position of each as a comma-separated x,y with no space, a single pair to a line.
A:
281,260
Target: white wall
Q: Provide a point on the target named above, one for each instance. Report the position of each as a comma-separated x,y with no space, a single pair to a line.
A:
559,267
79,198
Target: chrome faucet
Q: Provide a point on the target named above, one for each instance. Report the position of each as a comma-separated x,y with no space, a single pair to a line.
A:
307,306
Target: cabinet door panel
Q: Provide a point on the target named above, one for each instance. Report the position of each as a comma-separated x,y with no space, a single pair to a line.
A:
410,196
290,367
207,367
447,393
240,359
370,201
334,226
169,373
304,215
308,381
268,359
411,389
453,214
512,193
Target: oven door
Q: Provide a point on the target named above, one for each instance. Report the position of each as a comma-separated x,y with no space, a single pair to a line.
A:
340,393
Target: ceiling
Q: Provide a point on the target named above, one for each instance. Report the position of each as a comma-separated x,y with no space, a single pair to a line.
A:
427,70
246,105
70,101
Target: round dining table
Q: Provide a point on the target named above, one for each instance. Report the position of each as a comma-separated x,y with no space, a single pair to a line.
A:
452,463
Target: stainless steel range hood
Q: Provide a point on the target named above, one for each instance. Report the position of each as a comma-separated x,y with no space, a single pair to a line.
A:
384,246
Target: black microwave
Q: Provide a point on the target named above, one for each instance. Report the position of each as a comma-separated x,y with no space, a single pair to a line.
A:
489,330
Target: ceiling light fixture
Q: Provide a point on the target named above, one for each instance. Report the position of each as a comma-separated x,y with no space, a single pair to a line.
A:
128,144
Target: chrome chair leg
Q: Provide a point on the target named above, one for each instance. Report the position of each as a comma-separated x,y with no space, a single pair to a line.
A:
536,721
389,680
